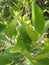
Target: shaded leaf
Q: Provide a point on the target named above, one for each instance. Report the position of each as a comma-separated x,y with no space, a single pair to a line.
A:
2,26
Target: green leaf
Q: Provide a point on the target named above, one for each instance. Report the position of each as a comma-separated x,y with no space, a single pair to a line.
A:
46,26
43,53
3,60
42,62
2,26
30,31
21,41
11,29
16,48
7,57
2,37
37,18
21,45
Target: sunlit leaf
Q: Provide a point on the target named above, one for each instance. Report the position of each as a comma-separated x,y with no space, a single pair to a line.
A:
37,17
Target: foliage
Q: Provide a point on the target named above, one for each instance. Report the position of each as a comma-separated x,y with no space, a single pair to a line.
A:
22,33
